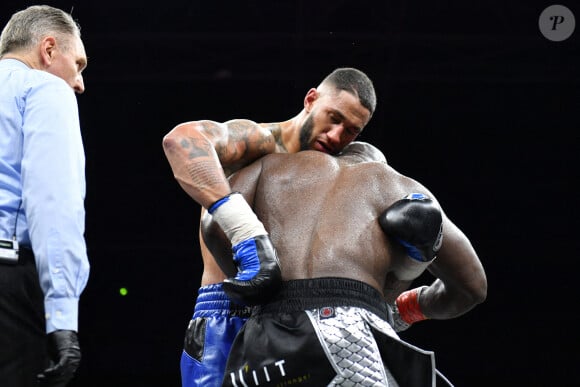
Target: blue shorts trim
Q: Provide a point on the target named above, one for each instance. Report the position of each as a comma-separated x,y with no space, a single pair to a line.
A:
209,336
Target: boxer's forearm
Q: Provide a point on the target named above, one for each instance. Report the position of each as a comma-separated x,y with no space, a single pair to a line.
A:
195,165
440,302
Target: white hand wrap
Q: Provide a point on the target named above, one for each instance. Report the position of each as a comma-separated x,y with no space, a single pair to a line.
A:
237,219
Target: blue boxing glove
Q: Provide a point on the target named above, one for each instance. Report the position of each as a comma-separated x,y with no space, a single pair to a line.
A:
259,275
416,223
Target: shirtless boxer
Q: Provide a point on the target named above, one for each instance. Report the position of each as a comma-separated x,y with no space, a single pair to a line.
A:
333,115
341,229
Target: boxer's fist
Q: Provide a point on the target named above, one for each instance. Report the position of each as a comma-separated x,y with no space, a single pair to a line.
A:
259,275
416,223
407,310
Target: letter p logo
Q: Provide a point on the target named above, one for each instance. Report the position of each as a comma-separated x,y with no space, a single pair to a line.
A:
557,23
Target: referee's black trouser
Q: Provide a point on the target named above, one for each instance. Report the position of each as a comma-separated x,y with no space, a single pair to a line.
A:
23,351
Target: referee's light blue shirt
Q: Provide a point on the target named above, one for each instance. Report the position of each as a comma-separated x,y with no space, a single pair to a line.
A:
42,184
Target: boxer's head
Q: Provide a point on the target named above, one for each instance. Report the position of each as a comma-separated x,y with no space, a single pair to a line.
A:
337,111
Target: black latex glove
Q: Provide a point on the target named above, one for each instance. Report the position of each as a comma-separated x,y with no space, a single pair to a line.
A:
65,355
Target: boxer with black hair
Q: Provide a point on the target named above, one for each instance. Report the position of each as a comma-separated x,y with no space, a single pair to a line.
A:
201,155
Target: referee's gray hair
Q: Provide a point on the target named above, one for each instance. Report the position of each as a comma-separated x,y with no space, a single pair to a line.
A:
27,27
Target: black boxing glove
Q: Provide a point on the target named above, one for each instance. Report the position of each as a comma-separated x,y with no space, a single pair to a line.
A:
416,223
65,354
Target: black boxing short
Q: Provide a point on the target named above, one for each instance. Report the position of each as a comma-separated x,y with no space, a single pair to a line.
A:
325,332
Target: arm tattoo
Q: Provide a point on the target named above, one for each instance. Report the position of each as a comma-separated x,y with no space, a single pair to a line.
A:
276,131
246,140
203,174
196,148
211,128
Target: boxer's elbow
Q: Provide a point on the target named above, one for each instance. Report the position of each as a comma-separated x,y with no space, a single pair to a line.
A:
476,292
168,143
173,138
467,295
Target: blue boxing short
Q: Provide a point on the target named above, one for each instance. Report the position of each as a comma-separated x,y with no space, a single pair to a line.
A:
208,338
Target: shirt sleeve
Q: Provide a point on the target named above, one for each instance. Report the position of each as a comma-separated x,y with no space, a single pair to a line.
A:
53,192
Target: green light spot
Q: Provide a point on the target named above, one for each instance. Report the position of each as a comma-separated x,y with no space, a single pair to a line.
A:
123,291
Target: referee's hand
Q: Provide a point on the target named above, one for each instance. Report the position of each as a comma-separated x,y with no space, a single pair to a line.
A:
65,355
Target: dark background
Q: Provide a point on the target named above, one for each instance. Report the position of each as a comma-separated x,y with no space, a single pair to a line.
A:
473,101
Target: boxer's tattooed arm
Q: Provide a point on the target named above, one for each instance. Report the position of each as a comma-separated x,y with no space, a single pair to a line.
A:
276,131
202,172
244,142
195,147
212,129
236,143
249,139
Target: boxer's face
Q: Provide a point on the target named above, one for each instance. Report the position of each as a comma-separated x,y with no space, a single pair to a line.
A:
334,120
